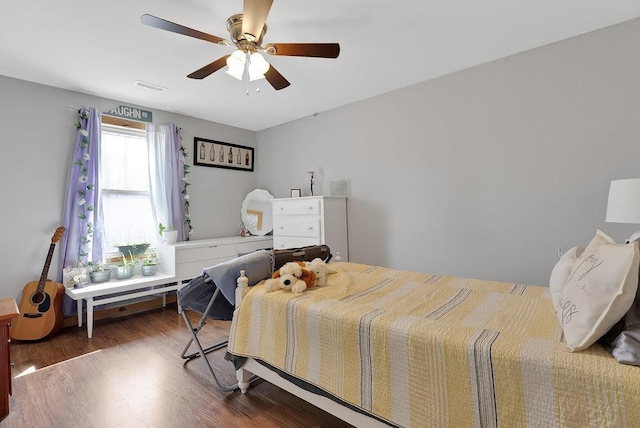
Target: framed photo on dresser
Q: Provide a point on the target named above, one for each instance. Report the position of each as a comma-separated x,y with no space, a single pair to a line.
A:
222,155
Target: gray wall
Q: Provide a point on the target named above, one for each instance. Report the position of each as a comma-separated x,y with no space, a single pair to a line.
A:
36,139
483,173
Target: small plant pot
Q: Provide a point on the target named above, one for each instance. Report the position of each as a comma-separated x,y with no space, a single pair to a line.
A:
99,276
170,236
135,250
149,270
124,272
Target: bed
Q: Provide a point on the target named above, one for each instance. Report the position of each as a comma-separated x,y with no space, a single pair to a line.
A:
379,346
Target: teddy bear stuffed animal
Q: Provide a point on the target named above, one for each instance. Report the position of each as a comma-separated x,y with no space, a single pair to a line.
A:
292,276
321,269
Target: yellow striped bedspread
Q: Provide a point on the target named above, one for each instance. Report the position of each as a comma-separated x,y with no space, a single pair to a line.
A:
424,350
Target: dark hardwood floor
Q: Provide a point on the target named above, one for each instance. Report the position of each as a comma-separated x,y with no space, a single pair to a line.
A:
130,374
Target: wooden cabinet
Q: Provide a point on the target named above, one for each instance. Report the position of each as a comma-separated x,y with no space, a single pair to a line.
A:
185,260
8,312
313,220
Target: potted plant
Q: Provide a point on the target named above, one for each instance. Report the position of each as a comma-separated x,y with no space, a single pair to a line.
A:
125,270
149,263
168,233
99,273
75,276
135,249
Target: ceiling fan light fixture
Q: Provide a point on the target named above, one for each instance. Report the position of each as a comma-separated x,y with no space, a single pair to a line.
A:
235,64
258,66
247,30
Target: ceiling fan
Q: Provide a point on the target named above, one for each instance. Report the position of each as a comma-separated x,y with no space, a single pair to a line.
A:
246,31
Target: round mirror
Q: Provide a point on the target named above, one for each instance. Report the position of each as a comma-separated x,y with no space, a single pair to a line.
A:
257,213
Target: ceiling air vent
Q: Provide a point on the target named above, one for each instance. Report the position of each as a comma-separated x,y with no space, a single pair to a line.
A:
148,85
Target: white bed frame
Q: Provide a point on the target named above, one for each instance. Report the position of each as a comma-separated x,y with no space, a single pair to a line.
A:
251,366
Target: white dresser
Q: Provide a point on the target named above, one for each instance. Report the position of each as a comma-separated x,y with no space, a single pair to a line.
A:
185,260
312,220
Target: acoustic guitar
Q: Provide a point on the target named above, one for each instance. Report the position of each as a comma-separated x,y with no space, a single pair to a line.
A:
41,304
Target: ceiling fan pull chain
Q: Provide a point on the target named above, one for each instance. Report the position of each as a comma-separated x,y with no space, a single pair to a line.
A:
247,80
246,70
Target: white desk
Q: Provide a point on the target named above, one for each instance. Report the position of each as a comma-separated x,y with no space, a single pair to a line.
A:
186,259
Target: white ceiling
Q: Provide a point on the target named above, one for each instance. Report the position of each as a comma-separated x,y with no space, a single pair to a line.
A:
101,48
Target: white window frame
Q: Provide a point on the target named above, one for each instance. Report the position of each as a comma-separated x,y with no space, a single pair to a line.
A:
131,132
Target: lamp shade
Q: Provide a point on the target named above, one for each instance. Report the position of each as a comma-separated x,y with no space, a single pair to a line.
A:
623,205
236,62
257,66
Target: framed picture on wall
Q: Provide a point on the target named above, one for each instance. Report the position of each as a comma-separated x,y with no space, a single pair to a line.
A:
296,193
222,155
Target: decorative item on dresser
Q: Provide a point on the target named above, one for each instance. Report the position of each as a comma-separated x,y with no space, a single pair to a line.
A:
256,212
169,234
312,220
312,174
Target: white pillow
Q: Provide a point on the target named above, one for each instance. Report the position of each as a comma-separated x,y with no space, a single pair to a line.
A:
599,291
561,271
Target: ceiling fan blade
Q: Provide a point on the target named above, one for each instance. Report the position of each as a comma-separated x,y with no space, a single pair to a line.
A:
163,24
209,68
276,79
317,50
254,15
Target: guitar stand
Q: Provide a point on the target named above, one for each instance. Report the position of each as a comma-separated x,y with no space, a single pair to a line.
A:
202,352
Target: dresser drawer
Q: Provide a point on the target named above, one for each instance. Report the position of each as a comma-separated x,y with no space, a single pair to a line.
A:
300,226
280,242
185,255
193,269
250,247
296,207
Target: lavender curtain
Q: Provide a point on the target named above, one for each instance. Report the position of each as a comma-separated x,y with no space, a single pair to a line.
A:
167,177
82,217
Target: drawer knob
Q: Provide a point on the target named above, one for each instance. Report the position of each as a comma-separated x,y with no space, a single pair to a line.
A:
310,227
281,208
281,227
311,207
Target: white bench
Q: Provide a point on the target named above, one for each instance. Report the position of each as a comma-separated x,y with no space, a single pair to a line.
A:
106,293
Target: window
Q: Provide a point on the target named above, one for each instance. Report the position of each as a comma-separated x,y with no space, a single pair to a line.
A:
124,183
